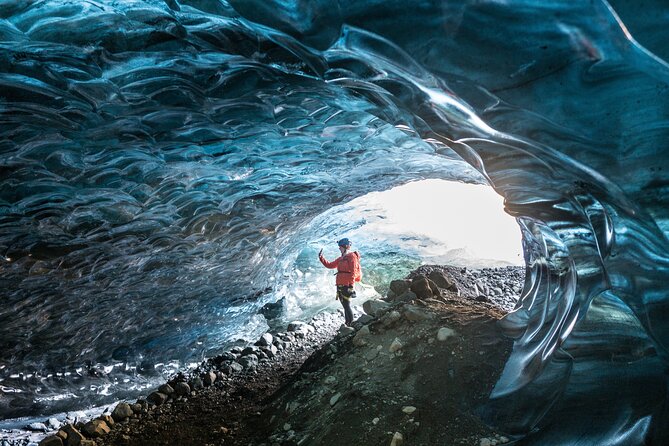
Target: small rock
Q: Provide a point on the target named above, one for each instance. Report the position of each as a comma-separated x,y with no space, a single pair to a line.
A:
398,439
330,380
408,410
335,398
86,443
395,346
444,333
38,427
51,440
95,429
485,442
390,318
297,326
286,427
182,389
375,421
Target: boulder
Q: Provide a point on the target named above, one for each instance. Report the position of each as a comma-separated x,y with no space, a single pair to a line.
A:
74,437
415,314
107,419
166,389
95,429
270,351
265,340
121,412
182,389
360,337
156,398
442,280
273,310
399,287
249,362
209,378
364,319
421,286
373,306
196,383
51,440
227,356
407,296
250,350
232,368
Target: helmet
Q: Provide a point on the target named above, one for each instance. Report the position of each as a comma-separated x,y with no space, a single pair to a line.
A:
344,242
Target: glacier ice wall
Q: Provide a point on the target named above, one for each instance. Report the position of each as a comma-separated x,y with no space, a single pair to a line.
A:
156,158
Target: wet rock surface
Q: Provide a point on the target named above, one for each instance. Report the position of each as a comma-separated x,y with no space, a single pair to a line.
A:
413,372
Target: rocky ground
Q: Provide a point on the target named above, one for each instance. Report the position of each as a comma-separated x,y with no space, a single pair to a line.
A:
413,370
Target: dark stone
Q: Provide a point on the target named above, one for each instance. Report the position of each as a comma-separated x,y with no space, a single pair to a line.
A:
196,383
74,437
442,280
209,378
232,367
250,350
273,310
421,286
182,389
51,440
166,389
156,398
95,429
399,287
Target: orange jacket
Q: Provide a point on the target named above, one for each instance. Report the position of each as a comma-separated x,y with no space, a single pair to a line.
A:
348,268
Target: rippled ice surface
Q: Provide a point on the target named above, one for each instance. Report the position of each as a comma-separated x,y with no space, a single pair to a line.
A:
162,164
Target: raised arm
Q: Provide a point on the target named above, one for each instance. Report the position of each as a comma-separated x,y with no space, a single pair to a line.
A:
327,264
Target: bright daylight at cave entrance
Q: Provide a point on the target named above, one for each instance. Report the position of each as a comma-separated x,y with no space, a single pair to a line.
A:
263,222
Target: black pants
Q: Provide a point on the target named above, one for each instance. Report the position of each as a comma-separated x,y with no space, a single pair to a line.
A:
345,293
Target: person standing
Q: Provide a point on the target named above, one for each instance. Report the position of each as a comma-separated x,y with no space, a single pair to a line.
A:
348,272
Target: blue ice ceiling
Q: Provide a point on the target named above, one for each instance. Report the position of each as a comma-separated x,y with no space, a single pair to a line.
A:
157,159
